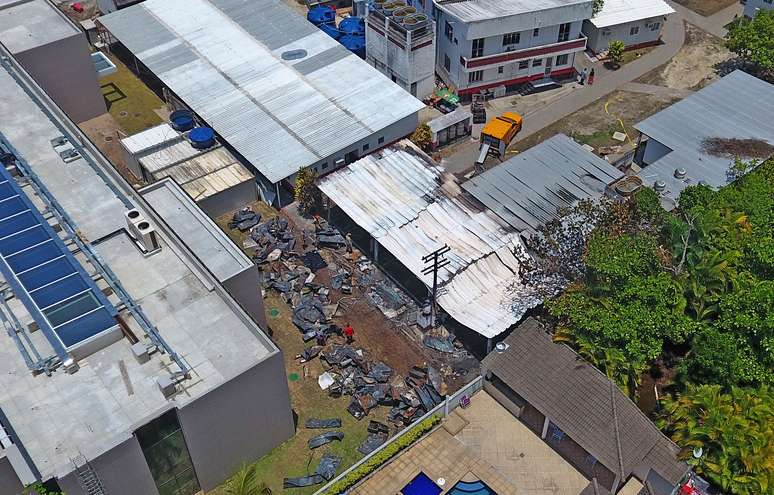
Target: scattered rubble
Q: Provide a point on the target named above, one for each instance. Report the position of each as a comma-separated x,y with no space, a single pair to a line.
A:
378,433
244,219
731,148
323,438
314,423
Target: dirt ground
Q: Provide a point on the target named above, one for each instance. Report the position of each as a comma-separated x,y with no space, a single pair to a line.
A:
706,7
595,124
380,338
105,133
699,62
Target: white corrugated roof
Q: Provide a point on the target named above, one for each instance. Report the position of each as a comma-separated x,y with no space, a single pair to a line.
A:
615,12
149,138
482,10
224,59
414,207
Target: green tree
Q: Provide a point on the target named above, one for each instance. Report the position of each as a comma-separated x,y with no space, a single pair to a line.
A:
245,482
422,137
597,8
307,194
615,52
733,430
753,41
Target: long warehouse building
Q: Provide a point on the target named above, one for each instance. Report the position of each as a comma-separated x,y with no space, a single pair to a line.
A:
280,92
133,352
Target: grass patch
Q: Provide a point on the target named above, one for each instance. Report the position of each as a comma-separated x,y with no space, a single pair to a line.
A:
129,100
599,138
631,55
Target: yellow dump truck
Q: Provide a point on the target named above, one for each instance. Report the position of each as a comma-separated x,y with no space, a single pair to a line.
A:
497,134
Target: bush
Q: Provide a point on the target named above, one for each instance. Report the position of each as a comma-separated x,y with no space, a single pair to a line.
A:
384,455
422,137
615,52
306,192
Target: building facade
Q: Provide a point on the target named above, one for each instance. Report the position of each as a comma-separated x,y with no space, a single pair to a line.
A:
752,7
403,50
489,44
138,361
55,53
638,23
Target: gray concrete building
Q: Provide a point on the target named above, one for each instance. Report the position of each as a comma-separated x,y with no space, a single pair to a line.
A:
134,358
56,54
637,23
290,97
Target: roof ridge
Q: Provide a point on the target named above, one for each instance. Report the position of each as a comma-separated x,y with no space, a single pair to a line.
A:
613,388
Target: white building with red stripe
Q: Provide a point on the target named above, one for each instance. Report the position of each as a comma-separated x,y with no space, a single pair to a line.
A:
485,44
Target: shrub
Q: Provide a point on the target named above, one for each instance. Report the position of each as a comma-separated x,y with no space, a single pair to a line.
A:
384,455
615,52
422,137
306,192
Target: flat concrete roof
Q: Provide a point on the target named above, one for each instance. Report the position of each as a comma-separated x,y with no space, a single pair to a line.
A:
208,242
60,416
26,24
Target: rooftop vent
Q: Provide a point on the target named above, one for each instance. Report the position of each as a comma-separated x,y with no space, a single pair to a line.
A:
501,347
680,173
659,186
294,54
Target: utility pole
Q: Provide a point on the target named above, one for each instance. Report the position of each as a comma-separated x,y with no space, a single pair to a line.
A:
434,262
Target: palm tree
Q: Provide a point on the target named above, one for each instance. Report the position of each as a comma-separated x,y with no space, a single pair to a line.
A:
245,482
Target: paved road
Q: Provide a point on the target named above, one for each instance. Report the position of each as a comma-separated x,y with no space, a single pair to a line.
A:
714,24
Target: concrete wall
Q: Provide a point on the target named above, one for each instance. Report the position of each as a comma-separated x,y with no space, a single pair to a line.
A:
239,421
230,199
751,7
389,134
66,73
9,482
648,32
245,290
123,470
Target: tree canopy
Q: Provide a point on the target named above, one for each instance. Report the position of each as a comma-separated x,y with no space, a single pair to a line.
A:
753,41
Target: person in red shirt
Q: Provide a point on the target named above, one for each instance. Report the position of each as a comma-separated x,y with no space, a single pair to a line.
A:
349,333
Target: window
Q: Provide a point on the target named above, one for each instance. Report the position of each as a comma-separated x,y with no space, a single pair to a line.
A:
564,32
365,147
478,48
381,140
500,70
605,32
656,25
536,32
537,62
634,30
511,39
475,76
524,64
446,62
448,31
324,165
562,59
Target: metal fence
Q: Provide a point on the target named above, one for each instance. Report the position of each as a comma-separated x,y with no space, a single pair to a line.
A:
449,404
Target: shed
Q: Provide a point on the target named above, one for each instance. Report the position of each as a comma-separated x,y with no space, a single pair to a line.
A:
677,150
450,126
529,189
637,23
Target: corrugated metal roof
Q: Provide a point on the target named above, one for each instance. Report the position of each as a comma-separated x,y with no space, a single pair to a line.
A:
413,207
615,12
527,190
738,106
223,58
481,10
584,404
446,120
149,138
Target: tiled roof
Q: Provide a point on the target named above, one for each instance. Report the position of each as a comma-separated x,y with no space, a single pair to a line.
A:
584,403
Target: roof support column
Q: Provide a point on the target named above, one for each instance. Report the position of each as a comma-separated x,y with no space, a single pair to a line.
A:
546,422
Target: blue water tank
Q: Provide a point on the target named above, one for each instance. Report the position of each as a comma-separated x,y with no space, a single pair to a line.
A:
329,28
354,43
202,137
320,15
181,120
352,25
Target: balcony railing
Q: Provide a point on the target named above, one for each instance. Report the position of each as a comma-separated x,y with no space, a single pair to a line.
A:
577,44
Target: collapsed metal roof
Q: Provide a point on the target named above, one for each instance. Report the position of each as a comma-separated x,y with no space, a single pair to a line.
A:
738,106
411,208
529,189
228,61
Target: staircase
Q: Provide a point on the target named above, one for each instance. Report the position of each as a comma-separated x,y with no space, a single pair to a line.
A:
87,477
